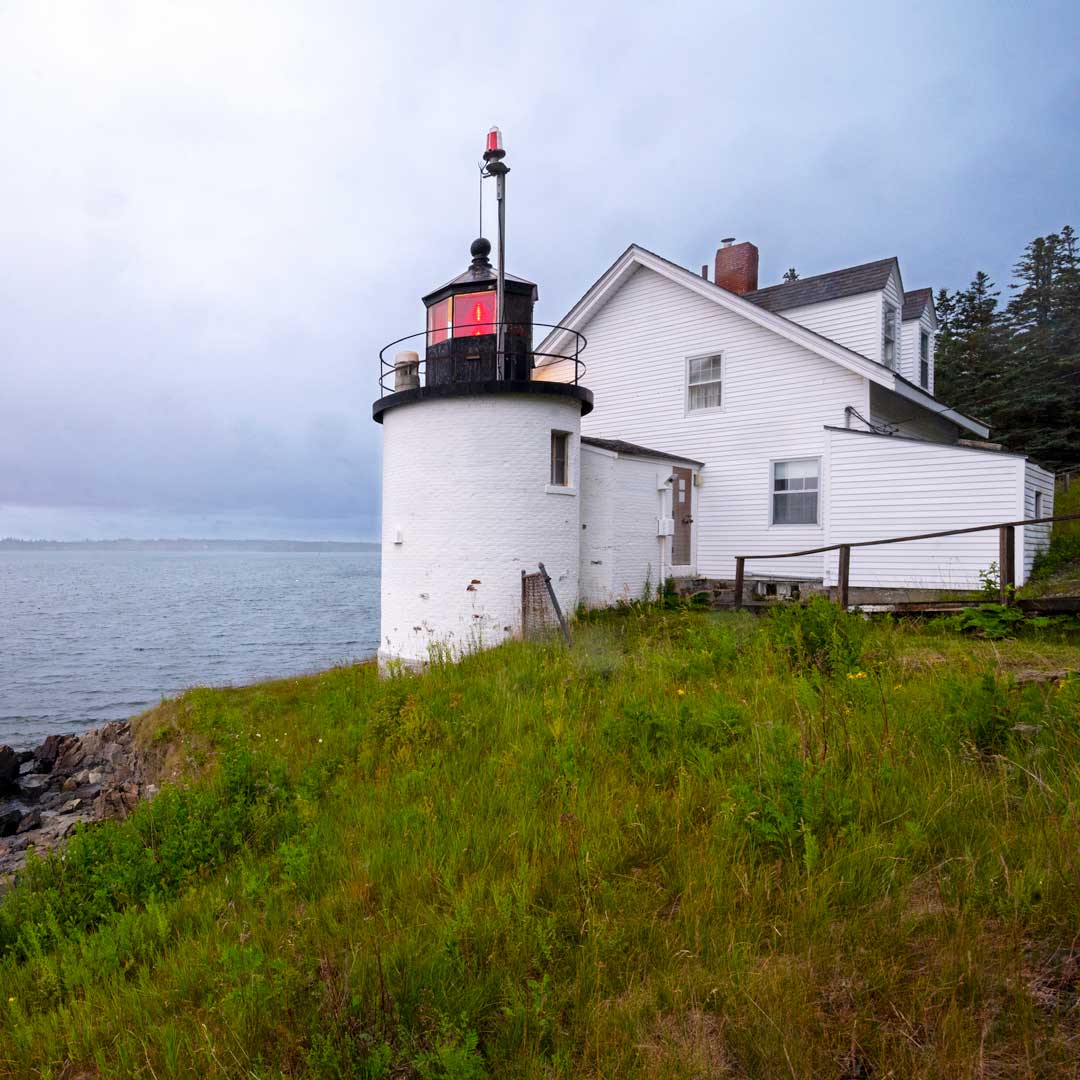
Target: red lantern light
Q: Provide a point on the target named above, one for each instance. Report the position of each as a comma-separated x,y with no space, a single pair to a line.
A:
474,314
494,140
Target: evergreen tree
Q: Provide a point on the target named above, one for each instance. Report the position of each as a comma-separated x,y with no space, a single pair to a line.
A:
970,345
1041,413
1019,369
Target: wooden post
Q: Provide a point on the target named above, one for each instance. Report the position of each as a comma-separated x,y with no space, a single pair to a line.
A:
1007,562
555,604
524,610
740,563
843,568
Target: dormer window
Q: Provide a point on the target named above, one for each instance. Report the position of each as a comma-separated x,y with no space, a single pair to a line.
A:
924,359
888,339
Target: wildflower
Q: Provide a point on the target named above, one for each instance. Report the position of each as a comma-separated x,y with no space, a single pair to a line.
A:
898,687
681,692
11,1001
856,675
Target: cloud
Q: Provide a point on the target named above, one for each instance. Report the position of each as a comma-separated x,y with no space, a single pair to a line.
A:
214,214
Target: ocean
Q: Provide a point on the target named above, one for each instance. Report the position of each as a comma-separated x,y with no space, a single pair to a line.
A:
90,636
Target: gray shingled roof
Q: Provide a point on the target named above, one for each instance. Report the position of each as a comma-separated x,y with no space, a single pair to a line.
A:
618,446
869,277
915,303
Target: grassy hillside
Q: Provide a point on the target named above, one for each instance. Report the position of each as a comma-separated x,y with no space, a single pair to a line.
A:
694,846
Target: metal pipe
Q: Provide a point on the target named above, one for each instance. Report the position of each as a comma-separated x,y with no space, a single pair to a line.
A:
500,282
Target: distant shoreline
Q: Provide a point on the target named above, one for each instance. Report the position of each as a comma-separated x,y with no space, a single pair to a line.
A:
11,544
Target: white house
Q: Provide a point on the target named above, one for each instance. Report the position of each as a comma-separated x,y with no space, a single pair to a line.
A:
714,419
810,408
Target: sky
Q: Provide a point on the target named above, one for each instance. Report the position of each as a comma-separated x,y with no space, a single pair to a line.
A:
213,215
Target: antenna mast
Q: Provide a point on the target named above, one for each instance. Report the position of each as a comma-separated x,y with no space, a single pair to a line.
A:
495,166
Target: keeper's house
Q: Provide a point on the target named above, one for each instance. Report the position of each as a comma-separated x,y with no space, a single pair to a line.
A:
810,407
718,419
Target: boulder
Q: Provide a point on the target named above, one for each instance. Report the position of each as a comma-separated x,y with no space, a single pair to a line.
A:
46,754
31,820
32,786
9,769
9,821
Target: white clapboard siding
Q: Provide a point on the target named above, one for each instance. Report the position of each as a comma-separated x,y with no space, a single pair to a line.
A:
853,321
913,421
1035,538
777,399
882,486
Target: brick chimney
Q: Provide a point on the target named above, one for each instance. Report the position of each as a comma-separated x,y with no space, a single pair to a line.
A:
736,266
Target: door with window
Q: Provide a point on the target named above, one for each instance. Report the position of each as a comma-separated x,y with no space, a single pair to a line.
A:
681,499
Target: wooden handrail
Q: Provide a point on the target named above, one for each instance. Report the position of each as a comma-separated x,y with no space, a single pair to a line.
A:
1006,553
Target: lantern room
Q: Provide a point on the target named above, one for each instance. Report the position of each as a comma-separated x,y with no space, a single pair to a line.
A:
462,324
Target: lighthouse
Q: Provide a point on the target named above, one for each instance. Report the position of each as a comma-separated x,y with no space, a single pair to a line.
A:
481,462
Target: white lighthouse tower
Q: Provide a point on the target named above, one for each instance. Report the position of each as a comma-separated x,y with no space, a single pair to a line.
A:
481,464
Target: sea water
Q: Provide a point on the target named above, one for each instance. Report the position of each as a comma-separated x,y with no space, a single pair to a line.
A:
88,636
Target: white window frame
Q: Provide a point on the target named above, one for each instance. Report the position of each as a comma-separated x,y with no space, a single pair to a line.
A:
773,462
924,359
1038,504
889,313
569,488
714,355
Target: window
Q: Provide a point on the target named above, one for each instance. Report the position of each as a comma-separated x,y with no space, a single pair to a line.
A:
560,459
1038,504
924,359
795,492
703,383
888,341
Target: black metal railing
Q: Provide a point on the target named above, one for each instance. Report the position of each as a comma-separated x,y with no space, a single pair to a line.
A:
1006,554
393,377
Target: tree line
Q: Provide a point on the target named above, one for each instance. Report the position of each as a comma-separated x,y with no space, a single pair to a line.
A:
1016,365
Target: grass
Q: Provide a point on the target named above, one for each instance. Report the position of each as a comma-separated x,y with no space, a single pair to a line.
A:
694,846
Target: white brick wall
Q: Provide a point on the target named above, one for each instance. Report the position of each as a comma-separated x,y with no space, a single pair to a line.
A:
465,483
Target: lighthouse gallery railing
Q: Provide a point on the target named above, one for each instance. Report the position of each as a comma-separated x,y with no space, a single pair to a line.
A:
566,366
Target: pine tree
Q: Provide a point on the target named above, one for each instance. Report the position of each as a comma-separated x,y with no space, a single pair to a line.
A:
1041,412
970,346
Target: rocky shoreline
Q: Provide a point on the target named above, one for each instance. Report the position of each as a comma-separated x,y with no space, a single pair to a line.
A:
47,791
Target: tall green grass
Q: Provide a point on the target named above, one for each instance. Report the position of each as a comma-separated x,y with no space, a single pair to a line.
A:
693,846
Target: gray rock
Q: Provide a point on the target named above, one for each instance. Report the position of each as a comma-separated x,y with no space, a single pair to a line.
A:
95,776
32,820
46,754
70,784
71,806
9,821
9,769
33,785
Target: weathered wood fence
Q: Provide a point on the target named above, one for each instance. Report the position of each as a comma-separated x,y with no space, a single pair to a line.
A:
1006,555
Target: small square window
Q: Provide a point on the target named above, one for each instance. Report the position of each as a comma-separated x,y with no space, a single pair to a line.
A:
560,459
703,377
795,492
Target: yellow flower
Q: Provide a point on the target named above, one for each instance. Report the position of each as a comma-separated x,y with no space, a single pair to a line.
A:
857,675
11,1001
681,692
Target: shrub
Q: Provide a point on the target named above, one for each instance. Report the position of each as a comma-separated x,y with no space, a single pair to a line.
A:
818,635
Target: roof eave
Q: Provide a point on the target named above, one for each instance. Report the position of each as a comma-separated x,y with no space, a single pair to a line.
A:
919,397
635,256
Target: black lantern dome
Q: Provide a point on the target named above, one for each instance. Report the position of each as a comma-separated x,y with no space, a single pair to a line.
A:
461,342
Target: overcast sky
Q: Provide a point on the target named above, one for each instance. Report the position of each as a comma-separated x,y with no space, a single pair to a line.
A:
212,215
